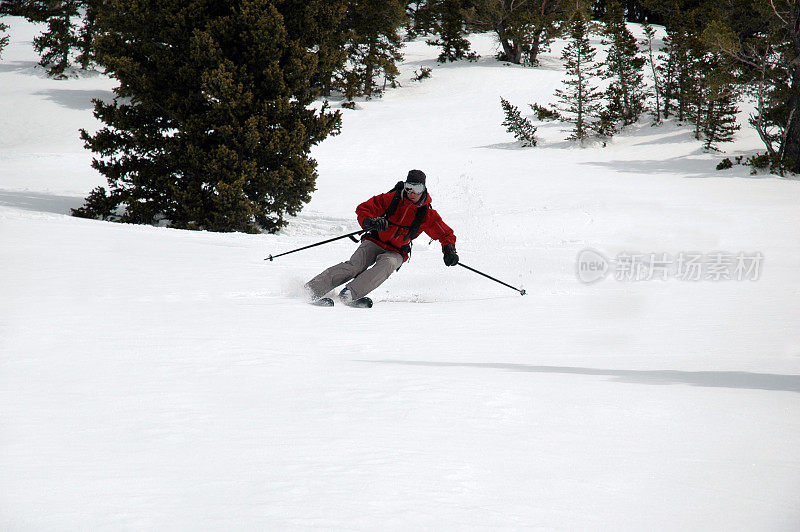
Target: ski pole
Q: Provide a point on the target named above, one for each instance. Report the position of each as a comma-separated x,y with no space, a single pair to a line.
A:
521,292
348,235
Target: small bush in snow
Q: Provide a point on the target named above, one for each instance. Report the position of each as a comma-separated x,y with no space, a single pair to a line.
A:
543,113
725,164
516,124
4,39
424,72
762,161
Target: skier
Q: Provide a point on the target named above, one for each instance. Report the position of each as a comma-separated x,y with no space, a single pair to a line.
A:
392,220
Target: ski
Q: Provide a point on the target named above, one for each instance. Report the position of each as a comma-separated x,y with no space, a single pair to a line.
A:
322,302
362,302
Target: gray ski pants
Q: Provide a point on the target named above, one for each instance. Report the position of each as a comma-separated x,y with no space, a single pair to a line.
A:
364,280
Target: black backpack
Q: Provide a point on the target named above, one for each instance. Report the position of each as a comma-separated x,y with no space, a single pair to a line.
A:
413,229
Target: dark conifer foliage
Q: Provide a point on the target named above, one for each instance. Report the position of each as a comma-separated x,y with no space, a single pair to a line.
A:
4,39
625,95
69,34
506,18
635,10
11,7
544,23
717,116
523,28
416,19
763,36
650,33
319,26
681,72
373,46
446,20
516,124
579,103
211,126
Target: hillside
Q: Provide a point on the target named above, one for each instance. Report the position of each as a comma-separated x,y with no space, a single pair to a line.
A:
157,378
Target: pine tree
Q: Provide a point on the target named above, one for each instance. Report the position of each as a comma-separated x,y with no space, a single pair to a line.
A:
523,28
417,21
518,125
763,36
666,72
639,11
508,19
69,34
625,93
319,26
543,23
649,35
210,127
445,18
580,103
681,71
721,96
373,46
4,39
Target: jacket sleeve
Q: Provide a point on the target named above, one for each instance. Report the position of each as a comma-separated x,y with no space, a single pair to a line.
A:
435,228
373,207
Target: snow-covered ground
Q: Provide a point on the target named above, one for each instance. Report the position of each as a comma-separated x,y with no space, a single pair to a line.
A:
161,379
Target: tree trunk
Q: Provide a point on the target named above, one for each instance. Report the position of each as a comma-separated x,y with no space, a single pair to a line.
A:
517,58
579,123
536,45
791,143
369,71
656,87
86,37
508,50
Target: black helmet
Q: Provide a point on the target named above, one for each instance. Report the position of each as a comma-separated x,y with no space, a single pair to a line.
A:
416,176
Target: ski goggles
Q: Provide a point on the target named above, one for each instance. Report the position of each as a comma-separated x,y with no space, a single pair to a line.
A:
416,188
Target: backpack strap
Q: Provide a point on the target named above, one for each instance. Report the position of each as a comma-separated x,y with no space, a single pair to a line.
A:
390,210
419,219
398,195
413,230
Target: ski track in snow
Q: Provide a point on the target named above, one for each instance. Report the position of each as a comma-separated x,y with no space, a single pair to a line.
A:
160,379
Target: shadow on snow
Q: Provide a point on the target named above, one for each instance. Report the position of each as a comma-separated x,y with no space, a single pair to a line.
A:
17,66
33,201
80,100
707,379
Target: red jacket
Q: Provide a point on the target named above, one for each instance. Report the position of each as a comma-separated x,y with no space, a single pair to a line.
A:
396,237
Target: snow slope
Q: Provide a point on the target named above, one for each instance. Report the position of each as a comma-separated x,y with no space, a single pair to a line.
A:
154,378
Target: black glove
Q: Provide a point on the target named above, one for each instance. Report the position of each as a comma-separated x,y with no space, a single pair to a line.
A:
376,224
450,255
